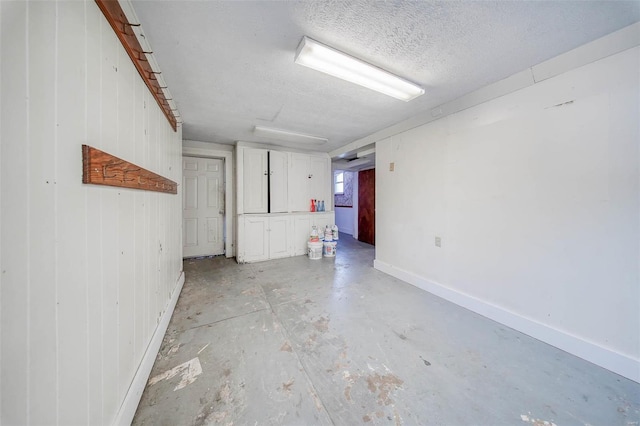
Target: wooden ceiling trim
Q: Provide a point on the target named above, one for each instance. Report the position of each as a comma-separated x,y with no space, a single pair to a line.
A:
122,27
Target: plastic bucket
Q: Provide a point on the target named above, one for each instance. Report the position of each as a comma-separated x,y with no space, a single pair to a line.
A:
329,248
314,250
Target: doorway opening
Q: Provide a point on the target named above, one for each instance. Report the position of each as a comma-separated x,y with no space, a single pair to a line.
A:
367,206
203,206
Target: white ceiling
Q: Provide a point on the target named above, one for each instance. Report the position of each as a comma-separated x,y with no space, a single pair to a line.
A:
229,65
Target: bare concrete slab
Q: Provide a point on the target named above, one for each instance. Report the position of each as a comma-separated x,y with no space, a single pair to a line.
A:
304,342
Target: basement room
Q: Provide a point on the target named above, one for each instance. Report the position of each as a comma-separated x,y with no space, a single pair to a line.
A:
320,212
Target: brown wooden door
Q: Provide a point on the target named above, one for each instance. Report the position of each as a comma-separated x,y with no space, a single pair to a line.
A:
367,206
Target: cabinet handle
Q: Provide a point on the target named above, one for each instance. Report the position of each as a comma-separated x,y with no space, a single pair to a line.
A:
265,173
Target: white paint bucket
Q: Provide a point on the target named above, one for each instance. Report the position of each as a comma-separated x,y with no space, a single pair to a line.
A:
314,249
329,248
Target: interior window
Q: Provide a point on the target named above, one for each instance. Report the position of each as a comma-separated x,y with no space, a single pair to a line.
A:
338,182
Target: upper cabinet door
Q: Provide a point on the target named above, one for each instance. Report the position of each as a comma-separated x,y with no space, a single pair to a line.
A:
299,177
278,171
256,176
320,181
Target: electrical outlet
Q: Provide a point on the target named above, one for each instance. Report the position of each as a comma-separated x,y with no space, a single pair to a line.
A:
438,242
392,166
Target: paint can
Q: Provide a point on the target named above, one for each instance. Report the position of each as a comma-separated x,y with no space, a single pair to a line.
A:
314,250
329,248
328,234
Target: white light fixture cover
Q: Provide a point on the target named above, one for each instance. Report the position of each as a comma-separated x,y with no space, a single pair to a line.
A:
287,136
323,58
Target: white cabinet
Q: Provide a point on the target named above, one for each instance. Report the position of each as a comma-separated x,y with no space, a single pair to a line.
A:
278,182
255,181
309,178
264,180
299,172
320,181
263,237
301,232
254,234
322,220
279,234
275,188
302,225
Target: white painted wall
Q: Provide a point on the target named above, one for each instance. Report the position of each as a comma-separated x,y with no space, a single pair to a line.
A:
344,219
345,216
535,195
87,271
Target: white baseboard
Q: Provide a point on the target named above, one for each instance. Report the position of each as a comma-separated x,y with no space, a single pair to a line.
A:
613,361
346,231
132,399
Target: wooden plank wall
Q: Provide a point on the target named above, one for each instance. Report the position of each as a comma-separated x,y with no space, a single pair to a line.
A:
86,270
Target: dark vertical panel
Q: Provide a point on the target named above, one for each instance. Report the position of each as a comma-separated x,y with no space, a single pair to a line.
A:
366,206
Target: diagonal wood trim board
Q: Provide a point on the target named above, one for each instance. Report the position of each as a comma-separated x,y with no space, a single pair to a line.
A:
100,168
122,27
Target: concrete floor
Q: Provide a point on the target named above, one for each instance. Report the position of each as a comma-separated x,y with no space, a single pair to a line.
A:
333,341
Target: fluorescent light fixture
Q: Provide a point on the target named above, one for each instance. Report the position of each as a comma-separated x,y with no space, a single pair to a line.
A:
287,136
323,58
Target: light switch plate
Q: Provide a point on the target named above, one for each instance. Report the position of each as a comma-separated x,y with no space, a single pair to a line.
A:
392,166
438,242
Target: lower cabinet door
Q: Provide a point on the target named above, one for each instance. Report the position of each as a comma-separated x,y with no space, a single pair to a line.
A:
256,238
272,237
322,220
301,232
279,237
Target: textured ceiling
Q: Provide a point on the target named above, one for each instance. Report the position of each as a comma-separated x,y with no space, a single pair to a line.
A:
230,64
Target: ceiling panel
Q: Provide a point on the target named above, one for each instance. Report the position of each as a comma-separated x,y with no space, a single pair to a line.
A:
230,64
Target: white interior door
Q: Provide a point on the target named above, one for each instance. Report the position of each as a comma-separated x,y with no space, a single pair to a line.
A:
202,206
